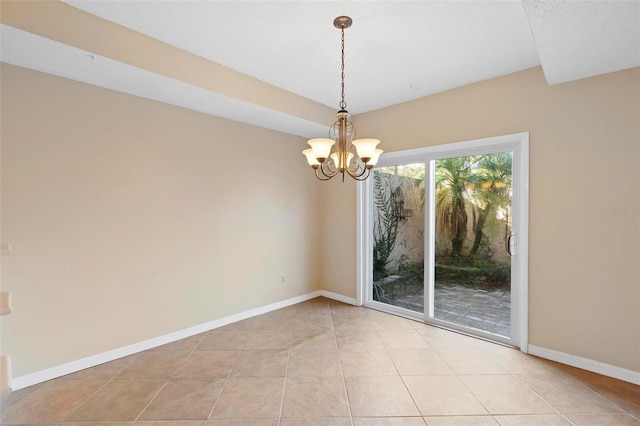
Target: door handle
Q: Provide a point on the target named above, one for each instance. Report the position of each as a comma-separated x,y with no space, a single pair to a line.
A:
511,245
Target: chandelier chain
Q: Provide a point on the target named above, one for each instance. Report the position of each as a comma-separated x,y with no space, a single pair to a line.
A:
343,104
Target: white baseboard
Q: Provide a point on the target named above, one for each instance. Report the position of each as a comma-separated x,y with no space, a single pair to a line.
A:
587,364
338,297
92,361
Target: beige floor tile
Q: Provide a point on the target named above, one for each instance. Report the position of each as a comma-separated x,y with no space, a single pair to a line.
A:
330,340
402,339
245,324
373,314
118,401
469,361
288,312
352,323
443,339
603,420
567,395
104,371
343,309
624,394
513,361
280,314
250,398
10,398
268,339
269,363
314,363
533,420
362,340
322,307
461,421
488,345
274,323
379,397
307,308
345,314
313,339
313,310
207,365
243,422
443,396
314,397
419,362
220,340
153,365
334,421
188,344
373,362
51,402
309,321
505,395
184,400
391,323
43,424
388,421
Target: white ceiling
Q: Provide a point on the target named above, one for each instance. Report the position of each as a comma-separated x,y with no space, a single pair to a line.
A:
395,51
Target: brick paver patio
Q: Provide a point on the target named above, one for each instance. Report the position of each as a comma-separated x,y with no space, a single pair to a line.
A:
487,310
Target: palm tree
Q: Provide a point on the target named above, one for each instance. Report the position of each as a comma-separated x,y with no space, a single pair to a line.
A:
490,186
453,175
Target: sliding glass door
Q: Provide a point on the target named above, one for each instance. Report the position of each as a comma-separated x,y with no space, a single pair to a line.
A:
443,229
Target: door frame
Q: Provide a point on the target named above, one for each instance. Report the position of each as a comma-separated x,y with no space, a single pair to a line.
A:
518,143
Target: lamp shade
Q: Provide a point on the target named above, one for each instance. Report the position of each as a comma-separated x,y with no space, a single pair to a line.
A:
311,158
366,148
321,147
374,158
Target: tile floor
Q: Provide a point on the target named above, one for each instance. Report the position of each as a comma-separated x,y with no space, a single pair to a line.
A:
326,363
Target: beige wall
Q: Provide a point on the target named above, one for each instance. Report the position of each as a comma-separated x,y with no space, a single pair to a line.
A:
584,279
130,219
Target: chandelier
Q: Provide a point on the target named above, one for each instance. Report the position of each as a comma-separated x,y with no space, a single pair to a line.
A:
342,153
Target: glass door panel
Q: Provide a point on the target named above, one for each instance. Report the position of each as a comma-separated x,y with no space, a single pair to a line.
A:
398,236
472,204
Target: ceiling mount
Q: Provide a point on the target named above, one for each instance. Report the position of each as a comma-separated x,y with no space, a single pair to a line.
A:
342,22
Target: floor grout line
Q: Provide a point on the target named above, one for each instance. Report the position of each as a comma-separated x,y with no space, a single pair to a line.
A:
286,369
169,378
97,390
226,380
344,384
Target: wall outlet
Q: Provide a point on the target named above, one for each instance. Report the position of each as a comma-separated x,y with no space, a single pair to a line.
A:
283,280
5,303
5,249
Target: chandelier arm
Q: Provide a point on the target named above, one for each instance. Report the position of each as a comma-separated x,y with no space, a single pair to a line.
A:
326,173
362,176
326,170
323,176
356,174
